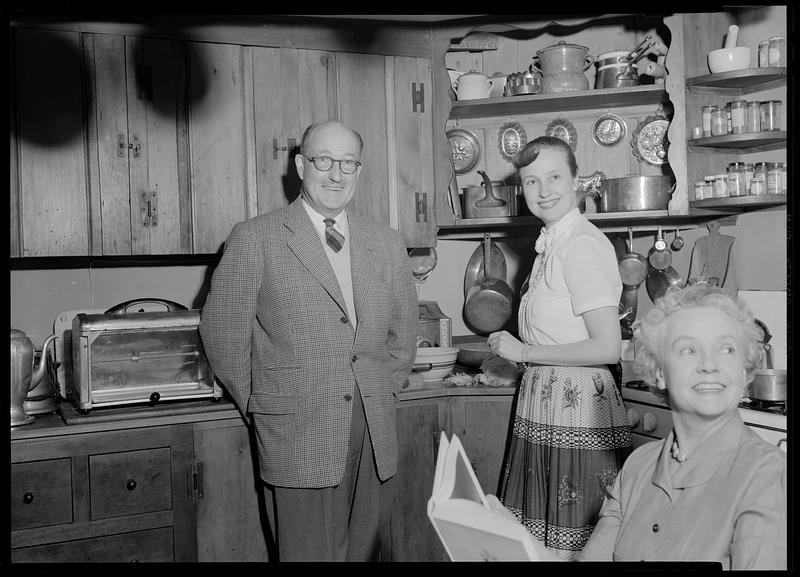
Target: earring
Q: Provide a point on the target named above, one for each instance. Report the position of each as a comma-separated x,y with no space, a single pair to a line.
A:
660,380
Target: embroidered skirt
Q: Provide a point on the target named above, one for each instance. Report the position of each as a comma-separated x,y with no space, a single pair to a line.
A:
569,439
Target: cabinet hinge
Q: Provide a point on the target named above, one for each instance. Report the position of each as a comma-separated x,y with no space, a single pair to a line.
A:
421,206
418,97
194,482
150,208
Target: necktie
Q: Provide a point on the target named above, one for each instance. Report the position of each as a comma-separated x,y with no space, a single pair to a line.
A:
333,237
544,240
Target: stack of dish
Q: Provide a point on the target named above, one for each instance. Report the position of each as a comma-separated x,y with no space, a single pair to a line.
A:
435,363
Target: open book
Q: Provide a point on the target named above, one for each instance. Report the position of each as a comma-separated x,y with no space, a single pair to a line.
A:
468,527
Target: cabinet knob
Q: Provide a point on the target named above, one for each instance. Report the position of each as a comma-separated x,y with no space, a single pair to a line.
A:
633,418
130,484
649,422
27,498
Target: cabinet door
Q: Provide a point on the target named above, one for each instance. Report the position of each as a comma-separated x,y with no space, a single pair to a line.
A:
413,140
139,129
218,161
488,421
51,178
291,89
231,505
413,537
361,86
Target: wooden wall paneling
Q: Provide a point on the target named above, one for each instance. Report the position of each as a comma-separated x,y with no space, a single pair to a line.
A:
52,156
92,146
268,121
292,88
156,69
249,128
702,33
441,94
14,213
362,103
216,143
414,150
112,130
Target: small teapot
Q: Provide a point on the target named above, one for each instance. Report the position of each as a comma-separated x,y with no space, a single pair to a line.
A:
473,85
24,374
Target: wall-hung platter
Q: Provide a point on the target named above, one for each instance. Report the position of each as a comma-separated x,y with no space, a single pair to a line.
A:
563,129
608,130
511,139
465,149
649,140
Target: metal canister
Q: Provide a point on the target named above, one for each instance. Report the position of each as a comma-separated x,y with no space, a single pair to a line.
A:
763,54
738,116
753,116
777,52
736,179
758,186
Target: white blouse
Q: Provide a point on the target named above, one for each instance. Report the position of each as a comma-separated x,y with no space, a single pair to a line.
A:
580,274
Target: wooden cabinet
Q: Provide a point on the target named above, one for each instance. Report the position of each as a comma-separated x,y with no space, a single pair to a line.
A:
49,193
103,496
136,141
187,492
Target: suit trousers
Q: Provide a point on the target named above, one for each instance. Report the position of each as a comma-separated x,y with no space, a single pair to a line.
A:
341,523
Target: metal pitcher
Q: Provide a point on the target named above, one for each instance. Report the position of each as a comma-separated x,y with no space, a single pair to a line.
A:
562,66
24,374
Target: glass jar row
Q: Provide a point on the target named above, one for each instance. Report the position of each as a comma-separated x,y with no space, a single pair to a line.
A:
739,117
744,179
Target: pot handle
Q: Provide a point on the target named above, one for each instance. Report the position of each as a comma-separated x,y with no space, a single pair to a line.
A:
489,199
123,308
536,65
587,62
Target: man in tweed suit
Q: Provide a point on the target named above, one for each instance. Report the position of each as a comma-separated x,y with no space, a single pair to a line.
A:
312,338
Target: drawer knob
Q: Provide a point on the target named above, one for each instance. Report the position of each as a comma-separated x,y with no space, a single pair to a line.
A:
633,418
27,498
131,484
649,422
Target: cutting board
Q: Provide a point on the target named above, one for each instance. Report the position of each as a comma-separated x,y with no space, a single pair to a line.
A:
713,256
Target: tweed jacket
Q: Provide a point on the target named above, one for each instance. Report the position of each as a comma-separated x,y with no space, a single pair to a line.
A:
278,338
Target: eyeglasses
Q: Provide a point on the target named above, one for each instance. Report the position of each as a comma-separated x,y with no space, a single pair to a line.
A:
325,163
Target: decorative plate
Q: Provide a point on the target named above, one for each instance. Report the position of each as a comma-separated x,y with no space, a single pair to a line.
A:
649,140
465,149
511,139
609,130
564,130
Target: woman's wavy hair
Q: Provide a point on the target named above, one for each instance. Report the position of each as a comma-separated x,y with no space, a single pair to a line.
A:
530,152
647,331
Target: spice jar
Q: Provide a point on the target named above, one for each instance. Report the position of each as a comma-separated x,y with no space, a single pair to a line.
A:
720,186
736,179
777,51
758,185
698,190
782,167
773,178
753,117
738,116
708,187
748,175
719,121
728,117
707,120
770,113
763,54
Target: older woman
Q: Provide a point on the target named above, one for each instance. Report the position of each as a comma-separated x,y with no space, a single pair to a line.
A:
570,432
712,490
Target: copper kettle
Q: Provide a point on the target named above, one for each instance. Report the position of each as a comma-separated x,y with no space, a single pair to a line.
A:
24,374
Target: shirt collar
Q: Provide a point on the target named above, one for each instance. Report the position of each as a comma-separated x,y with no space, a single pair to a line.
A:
703,462
548,235
319,220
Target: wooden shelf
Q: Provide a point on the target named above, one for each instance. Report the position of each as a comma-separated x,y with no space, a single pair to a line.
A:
742,81
739,202
747,142
559,102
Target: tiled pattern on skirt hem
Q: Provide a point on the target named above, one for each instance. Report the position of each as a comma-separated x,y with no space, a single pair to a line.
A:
569,439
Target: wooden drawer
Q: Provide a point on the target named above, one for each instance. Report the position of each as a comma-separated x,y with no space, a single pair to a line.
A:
130,482
155,545
41,493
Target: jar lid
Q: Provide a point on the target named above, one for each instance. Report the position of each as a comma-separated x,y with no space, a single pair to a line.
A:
761,164
737,164
722,176
763,42
777,37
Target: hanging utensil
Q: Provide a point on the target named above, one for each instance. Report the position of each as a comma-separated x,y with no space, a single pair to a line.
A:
659,281
488,304
660,256
677,242
633,272
476,267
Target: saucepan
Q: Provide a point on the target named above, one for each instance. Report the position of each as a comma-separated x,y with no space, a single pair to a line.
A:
634,193
488,303
492,199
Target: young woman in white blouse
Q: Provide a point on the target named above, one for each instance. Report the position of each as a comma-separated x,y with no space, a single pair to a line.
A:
570,434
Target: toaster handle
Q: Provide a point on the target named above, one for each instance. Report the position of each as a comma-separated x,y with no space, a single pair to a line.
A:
124,308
